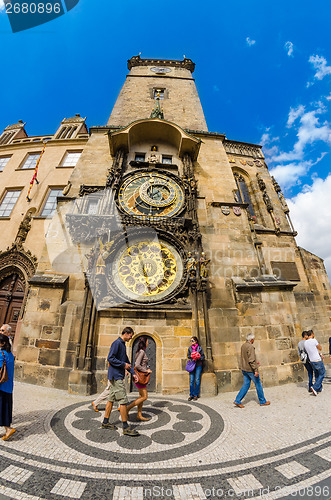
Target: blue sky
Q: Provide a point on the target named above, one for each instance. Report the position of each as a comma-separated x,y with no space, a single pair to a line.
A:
263,72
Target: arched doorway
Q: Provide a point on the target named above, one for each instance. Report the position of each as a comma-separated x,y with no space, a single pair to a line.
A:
151,354
12,290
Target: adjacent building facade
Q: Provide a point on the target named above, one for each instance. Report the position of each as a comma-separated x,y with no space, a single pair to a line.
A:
151,221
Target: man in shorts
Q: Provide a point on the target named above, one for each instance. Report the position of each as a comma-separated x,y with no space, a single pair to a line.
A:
118,363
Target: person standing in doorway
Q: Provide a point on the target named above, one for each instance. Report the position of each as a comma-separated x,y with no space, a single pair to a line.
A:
118,363
196,354
313,349
305,360
249,367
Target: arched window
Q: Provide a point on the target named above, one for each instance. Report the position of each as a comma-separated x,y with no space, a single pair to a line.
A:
243,194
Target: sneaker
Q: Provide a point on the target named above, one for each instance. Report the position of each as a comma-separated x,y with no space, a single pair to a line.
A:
267,403
112,427
190,398
313,391
195,398
130,432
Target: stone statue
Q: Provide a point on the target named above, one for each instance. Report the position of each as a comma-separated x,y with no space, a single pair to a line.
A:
23,229
267,201
204,263
153,158
191,265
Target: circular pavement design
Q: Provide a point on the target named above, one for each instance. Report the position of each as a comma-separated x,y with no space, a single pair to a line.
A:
143,465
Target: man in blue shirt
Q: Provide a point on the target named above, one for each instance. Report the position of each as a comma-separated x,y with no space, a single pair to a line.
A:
118,363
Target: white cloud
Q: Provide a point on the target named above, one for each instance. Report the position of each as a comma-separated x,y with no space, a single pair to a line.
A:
310,131
321,67
289,175
294,114
311,216
289,48
250,42
2,6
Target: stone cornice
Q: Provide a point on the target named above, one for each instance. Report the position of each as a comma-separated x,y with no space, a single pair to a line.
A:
243,148
185,63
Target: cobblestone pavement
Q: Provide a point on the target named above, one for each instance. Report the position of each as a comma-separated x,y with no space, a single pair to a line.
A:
187,451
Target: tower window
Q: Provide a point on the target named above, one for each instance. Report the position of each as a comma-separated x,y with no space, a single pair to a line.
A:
243,194
139,157
167,159
8,202
159,93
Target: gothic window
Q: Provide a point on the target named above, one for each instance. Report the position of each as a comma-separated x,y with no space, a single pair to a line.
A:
8,202
71,158
3,162
167,159
92,206
6,137
243,194
31,161
66,132
51,201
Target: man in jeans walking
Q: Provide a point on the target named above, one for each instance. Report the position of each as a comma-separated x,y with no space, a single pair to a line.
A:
249,367
118,363
313,348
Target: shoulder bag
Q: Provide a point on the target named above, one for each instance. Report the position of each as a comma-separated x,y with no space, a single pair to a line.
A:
190,365
3,370
143,378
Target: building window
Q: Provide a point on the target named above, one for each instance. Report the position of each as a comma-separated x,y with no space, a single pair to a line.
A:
71,158
50,204
159,93
3,162
139,157
66,132
167,159
8,202
31,161
6,137
243,194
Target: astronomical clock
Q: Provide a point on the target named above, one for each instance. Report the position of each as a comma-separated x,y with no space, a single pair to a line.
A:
151,194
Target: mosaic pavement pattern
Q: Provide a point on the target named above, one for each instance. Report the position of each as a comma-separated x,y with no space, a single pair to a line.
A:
187,451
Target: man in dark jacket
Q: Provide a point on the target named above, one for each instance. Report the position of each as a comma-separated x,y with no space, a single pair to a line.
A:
118,363
249,367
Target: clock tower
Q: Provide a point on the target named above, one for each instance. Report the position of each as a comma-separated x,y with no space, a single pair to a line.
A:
176,231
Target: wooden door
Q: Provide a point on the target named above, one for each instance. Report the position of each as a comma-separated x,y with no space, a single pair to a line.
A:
12,291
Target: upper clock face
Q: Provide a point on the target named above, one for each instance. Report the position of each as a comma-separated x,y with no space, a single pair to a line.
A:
151,195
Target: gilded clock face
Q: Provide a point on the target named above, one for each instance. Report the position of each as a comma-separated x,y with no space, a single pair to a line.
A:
147,270
151,194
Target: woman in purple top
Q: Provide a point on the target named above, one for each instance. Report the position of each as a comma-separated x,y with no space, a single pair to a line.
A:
141,361
6,388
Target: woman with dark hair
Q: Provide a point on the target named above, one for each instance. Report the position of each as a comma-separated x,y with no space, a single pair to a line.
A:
141,363
196,354
6,388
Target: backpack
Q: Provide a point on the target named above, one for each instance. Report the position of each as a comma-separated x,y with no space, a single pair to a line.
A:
303,356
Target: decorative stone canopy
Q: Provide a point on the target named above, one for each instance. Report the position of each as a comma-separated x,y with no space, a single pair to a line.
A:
154,130
185,63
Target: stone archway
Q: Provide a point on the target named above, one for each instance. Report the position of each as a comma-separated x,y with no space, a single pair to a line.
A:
16,267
